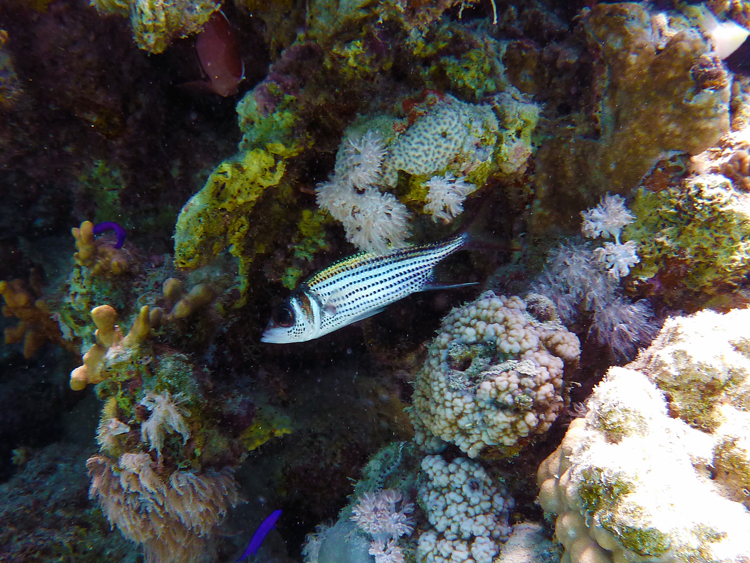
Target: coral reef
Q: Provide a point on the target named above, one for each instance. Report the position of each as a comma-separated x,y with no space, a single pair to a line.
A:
657,466
374,124
493,378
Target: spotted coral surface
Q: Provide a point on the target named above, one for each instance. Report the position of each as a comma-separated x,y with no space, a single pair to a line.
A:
493,377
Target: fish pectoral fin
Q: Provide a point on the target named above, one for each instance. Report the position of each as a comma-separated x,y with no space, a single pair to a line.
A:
329,308
366,314
432,286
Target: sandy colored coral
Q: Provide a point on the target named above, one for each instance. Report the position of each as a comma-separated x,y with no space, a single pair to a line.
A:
660,465
36,323
108,336
493,377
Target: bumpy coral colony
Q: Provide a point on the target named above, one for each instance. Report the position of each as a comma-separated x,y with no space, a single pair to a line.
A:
586,399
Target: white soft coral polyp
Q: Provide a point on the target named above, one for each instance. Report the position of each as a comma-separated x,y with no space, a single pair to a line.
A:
446,196
607,219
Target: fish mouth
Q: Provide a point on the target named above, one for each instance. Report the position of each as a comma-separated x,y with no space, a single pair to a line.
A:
274,336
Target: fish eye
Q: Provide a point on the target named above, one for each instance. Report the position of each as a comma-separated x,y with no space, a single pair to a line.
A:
283,316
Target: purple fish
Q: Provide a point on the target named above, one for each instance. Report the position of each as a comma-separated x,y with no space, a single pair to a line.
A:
260,534
110,226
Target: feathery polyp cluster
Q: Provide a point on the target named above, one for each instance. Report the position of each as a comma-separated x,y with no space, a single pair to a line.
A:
577,281
171,517
446,196
166,416
360,160
378,515
607,220
373,221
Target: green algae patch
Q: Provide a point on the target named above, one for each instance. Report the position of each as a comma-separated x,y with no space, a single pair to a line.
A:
695,236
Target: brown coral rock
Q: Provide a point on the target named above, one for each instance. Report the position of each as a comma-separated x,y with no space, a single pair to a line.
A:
657,99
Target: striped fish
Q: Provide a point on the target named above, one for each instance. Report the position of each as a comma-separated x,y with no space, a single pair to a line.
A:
356,288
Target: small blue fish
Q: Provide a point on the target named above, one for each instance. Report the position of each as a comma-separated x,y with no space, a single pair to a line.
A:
112,226
357,288
260,534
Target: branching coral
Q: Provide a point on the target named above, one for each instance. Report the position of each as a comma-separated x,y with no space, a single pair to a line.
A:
109,344
101,258
36,322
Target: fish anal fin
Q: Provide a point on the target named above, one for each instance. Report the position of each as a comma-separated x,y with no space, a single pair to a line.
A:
433,286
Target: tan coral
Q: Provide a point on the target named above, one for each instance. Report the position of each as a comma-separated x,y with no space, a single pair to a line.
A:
103,259
108,336
185,304
36,325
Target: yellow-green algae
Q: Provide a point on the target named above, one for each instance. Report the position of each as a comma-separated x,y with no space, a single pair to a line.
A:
220,215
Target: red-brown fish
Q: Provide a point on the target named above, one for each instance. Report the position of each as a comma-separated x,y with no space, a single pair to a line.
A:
219,56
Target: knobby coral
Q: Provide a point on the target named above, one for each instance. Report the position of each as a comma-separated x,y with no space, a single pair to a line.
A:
493,377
